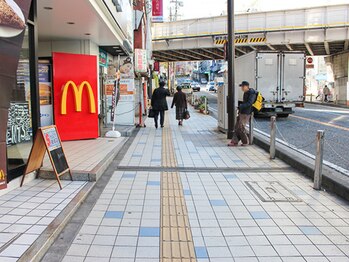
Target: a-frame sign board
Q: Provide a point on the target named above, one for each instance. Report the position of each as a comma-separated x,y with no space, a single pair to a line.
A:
47,140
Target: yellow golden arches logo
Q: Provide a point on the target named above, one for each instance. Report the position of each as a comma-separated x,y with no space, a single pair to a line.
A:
2,175
78,96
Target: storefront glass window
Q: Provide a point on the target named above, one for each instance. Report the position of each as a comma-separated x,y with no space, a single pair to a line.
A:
19,128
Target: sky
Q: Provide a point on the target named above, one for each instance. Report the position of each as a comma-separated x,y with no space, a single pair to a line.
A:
205,8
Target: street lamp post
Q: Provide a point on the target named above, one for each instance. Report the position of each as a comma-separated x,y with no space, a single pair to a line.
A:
231,73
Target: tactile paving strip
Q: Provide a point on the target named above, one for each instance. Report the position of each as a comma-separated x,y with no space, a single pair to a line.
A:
176,243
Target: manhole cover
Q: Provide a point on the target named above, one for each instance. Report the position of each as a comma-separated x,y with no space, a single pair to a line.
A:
272,192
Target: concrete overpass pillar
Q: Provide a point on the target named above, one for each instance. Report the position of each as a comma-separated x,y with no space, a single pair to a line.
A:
340,67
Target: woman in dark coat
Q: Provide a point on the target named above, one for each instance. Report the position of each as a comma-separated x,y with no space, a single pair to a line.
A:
159,103
180,101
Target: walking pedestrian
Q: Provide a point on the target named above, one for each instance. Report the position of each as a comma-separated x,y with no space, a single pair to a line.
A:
245,110
180,101
159,103
326,92
318,94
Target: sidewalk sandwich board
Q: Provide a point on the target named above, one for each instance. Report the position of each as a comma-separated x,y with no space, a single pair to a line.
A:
47,140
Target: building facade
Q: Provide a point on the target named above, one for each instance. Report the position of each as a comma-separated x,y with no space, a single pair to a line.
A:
72,54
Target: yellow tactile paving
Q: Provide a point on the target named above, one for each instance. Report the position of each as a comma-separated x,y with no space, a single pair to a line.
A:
176,239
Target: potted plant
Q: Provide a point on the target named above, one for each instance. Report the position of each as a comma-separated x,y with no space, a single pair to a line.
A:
202,108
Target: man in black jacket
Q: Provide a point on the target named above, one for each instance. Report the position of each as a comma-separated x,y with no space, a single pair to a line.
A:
245,110
159,103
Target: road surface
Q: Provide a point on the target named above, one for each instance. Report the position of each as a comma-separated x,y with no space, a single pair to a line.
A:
300,129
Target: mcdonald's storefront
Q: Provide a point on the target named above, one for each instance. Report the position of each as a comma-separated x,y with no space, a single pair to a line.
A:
58,78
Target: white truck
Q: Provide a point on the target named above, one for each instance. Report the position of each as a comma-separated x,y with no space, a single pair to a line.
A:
279,76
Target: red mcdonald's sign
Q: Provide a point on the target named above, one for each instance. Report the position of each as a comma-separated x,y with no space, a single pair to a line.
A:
75,96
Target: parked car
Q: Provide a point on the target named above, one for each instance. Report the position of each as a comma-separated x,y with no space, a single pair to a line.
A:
196,86
211,87
203,81
187,88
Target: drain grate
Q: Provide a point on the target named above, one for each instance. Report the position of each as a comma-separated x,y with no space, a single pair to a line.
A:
272,191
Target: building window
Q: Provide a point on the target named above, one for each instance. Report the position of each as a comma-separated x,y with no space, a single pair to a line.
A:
19,128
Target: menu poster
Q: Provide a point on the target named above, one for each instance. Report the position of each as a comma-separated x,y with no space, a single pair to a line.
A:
51,138
126,68
127,86
18,127
45,91
13,17
44,73
109,89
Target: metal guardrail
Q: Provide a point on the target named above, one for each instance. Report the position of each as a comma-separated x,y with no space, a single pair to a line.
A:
320,142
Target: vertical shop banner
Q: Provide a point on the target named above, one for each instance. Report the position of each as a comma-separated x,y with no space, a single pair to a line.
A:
75,96
141,63
125,110
157,13
103,58
13,18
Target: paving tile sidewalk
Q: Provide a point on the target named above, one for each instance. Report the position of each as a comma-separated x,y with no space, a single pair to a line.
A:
229,220
87,159
26,212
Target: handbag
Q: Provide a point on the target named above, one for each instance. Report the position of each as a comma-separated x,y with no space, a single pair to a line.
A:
151,113
186,115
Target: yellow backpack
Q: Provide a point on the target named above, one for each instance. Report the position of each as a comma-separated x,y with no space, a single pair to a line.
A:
258,104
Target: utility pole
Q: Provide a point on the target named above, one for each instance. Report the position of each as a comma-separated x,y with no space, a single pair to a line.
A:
231,70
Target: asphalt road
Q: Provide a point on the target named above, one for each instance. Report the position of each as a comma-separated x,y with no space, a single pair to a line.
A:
300,129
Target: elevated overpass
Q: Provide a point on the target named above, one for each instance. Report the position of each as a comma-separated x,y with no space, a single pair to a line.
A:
317,31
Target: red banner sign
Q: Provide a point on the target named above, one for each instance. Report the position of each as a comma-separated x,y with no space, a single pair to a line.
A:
158,13
75,96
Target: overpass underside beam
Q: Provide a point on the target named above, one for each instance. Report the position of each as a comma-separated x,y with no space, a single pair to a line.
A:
189,54
324,48
315,41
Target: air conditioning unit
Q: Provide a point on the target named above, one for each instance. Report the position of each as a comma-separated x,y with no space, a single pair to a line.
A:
118,5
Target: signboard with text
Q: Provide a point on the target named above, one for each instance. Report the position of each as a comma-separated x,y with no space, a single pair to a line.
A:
75,96
158,12
13,18
141,60
103,58
47,140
